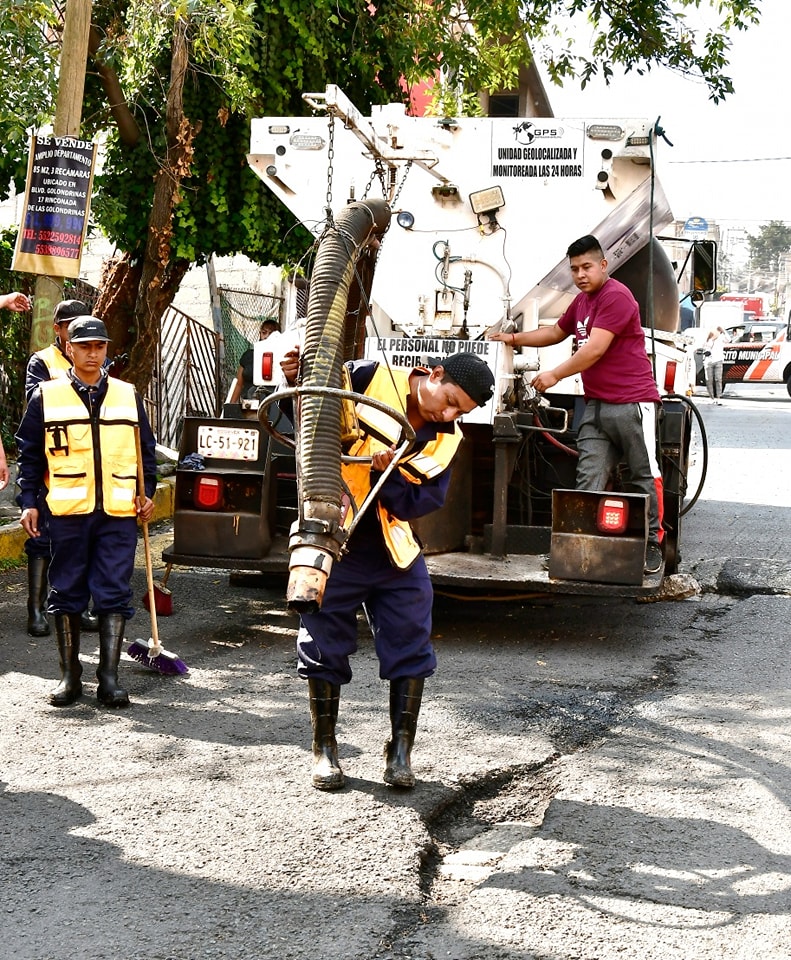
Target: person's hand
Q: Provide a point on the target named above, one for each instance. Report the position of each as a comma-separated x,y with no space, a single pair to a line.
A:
290,365
14,301
502,337
145,508
29,521
381,461
5,476
543,381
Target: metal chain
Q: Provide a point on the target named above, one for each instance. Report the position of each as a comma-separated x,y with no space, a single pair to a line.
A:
400,187
369,184
378,171
330,169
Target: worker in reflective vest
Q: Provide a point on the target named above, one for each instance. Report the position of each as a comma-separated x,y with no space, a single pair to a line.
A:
384,570
48,364
78,435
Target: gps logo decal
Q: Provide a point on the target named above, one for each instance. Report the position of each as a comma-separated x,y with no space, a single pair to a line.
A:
526,132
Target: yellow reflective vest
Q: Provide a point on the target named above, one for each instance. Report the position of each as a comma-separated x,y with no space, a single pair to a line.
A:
377,432
72,461
57,365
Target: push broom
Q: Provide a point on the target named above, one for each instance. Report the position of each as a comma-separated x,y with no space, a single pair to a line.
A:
152,654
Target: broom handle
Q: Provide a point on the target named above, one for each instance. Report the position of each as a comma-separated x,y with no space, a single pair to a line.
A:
141,484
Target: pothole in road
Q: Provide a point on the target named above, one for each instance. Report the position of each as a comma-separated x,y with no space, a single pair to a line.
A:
493,813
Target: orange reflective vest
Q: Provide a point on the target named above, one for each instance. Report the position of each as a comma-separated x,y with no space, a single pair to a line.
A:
68,438
377,432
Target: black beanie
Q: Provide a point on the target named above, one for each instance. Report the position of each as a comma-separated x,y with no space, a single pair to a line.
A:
470,372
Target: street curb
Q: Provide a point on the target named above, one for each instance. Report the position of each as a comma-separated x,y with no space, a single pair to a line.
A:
12,536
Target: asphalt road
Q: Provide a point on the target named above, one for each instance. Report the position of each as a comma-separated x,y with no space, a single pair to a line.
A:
597,779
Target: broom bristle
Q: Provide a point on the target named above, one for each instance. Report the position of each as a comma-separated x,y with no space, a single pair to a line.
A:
164,662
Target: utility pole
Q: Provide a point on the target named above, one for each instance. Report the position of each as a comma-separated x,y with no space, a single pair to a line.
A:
68,116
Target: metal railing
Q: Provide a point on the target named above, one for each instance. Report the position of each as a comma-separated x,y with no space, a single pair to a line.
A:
186,380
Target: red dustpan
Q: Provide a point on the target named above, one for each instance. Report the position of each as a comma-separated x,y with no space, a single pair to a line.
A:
163,598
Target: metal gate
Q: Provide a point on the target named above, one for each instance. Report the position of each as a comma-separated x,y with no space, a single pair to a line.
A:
195,365
187,379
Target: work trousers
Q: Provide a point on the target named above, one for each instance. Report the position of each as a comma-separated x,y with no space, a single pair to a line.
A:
398,606
714,379
93,555
611,432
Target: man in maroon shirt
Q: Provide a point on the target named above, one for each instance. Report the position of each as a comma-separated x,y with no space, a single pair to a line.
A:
619,421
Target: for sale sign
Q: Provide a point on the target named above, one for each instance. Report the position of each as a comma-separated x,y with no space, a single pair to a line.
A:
57,202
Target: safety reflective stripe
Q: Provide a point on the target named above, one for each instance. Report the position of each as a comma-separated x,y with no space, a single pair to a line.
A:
424,465
378,422
71,413
118,413
72,493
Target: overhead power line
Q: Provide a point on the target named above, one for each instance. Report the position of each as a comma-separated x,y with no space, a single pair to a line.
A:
743,160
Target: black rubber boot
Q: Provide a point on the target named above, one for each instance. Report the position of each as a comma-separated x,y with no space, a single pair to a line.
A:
406,694
324,700
67,628
37,589
112,627
89,621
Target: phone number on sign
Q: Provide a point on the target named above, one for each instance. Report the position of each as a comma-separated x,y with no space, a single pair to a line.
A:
228,443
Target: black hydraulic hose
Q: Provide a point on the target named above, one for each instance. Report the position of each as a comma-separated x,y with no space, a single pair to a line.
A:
322,354
704,451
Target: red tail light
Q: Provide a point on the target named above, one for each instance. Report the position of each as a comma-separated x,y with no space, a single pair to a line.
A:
670,376
207,493
267,366
612,515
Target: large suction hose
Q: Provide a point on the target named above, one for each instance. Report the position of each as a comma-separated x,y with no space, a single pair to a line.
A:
317,536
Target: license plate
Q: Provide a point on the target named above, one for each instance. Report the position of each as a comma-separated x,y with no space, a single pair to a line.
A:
228,443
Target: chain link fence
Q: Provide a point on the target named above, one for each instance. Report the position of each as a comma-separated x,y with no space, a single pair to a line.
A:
243,312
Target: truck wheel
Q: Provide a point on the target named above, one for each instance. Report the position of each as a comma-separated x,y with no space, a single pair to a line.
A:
788,385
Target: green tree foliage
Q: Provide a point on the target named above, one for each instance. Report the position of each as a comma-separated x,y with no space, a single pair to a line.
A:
28,60
771,245
482,44
223,208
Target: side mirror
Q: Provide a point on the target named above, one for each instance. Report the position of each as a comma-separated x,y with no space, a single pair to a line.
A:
704,268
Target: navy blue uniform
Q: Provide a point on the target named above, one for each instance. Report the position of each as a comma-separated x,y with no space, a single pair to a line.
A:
38,372
93,554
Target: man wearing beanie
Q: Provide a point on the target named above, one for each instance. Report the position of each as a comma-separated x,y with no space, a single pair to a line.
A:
384,570
48,364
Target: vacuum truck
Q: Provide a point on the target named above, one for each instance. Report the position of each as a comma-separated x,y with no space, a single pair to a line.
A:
459,229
